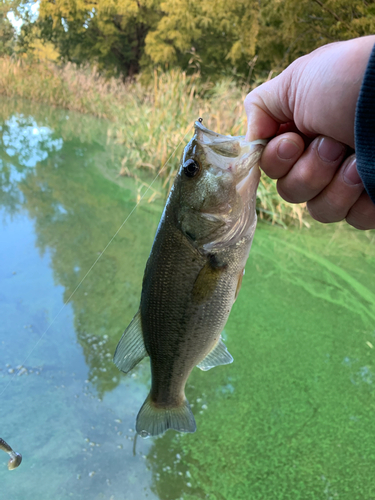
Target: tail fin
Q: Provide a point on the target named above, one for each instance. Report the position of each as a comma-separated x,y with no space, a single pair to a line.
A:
152,421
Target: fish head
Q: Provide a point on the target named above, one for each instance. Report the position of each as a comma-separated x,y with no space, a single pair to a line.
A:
216,188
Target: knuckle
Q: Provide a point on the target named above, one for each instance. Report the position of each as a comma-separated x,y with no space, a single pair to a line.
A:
326,209
253,98
307,177
248,100
363,226
287,192
337,205
309,180
317,214
362,214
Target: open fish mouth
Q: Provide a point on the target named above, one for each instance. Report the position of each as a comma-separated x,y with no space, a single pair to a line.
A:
240,158
248,184
229,153
233,154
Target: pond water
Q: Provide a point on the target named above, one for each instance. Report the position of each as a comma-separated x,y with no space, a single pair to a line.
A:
292,418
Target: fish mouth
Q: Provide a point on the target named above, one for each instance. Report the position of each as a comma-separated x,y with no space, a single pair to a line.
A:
249,183
241,158
244,225
208,137
229,153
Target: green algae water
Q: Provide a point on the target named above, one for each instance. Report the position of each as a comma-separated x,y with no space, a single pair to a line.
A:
292,418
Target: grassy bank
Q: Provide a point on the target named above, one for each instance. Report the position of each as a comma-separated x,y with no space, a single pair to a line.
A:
152,120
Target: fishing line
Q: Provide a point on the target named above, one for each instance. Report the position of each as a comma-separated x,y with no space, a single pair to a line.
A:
97,259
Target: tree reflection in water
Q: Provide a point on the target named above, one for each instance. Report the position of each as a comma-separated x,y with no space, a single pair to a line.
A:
55,174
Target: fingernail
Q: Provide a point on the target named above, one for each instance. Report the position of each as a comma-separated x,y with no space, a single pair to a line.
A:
351,175
287,149
329,149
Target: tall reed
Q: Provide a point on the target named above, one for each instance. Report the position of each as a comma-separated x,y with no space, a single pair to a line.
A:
152,119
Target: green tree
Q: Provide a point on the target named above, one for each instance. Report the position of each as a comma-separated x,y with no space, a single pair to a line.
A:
7,32
217,37
109,33
291,28
223,37
214,37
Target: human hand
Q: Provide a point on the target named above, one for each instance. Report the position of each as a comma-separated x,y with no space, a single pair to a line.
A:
310,107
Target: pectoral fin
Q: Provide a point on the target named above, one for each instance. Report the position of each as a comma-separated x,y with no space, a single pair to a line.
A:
208,279
218,356
131,348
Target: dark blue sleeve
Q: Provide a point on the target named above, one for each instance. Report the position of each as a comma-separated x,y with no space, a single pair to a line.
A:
365,129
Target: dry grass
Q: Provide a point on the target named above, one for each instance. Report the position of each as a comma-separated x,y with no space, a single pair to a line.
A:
151,120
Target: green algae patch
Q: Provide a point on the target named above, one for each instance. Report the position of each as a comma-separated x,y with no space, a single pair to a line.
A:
292,417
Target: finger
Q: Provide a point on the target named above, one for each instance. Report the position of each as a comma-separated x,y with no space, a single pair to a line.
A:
335,201
362,213
266,110
313,171
281,153
292,127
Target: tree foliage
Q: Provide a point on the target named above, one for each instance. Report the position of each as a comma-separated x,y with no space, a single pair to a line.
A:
225,36
216,37
291,28
109,33
7,33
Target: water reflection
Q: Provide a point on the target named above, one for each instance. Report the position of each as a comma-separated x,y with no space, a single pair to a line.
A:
56,376
76,212
27,142
291,417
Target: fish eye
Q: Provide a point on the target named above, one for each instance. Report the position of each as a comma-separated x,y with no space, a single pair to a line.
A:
191,168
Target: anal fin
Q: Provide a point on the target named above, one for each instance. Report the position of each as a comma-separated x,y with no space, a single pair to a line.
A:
131,348
218,356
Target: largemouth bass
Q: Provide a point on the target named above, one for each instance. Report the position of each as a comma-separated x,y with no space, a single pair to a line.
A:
193,274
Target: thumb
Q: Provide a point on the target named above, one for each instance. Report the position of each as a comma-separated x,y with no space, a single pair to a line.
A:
266,109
